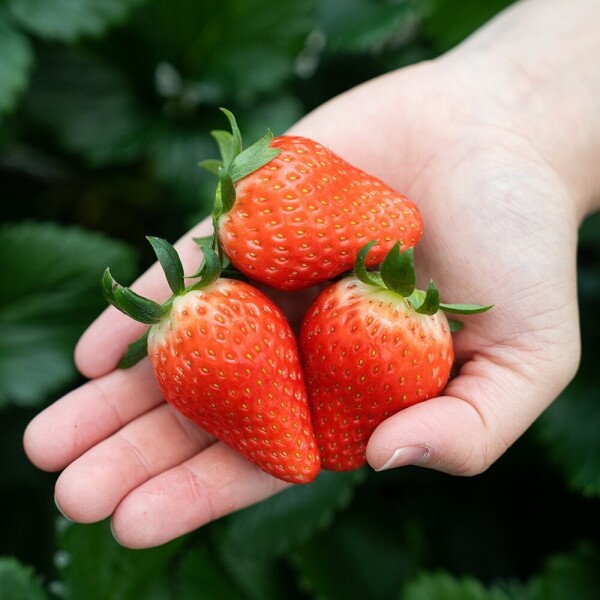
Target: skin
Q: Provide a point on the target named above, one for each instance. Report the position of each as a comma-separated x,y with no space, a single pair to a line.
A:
496,142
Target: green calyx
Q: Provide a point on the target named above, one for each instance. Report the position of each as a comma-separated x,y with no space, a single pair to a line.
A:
148,311
397,274
235,163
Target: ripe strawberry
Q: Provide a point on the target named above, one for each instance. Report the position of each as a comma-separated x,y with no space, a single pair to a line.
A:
290,213
225,357
372,345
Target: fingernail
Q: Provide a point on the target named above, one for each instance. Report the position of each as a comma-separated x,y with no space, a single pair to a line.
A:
412,455
60,510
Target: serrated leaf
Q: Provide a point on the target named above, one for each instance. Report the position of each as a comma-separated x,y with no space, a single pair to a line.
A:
361,555
66,21
48,295
95,567
251,540
273,527
19,581
444,586
16,59
89,106
234,52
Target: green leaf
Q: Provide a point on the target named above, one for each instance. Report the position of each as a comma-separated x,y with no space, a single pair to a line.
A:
89,106
366,26
65,20
569,431
95,567
212,165
444,586
431,302
361,555
230,144
465,309
201,576
254,157
128,302
48,295
226,194
19,581
170,262
398,271
256,536
16,59
175,153
575,576
136,351
360,268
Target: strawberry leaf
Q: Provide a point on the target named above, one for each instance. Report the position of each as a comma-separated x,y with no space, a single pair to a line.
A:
123,573
254,157
251,539
169,261
19,581
136,351
464,309
224,140
235,139
398,271
430,304
133,305
360,268
227,192
48,295
212,165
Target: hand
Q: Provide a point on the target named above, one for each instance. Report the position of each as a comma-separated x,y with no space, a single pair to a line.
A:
501,196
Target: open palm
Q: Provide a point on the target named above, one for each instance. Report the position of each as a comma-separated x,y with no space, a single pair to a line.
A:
500,227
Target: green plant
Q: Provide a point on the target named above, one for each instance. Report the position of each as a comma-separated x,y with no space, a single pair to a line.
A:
106,109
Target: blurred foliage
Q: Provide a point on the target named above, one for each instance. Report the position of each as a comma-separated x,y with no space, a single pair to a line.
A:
105,111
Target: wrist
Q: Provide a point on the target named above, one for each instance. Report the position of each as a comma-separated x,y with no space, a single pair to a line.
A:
536,63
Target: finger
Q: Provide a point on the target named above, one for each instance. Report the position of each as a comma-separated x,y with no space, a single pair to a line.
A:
72,425
210,485
485,409
106,339
90,488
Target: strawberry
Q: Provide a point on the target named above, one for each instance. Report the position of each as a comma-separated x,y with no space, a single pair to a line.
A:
372,345
226,358
290,213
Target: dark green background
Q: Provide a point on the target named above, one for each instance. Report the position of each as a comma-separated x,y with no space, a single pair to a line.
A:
105,111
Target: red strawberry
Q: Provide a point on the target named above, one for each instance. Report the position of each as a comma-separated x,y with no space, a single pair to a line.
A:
372,345
225,357
290,213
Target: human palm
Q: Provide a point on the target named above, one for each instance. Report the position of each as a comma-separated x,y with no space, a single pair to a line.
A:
500,227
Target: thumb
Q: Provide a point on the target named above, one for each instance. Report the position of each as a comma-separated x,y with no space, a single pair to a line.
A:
485,409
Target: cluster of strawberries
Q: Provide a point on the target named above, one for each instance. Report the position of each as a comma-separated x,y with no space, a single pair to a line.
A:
290,214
